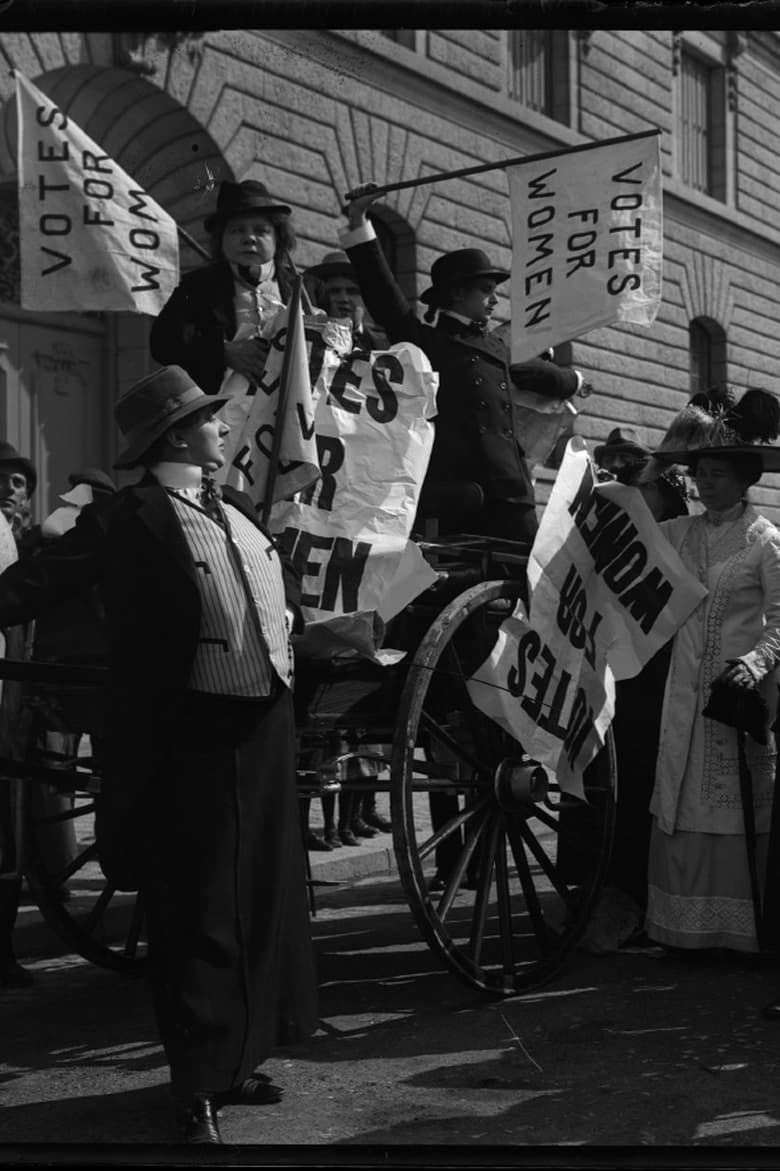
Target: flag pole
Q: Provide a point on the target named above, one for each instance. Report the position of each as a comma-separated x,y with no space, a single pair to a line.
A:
293,316
193,243
307,305
481,167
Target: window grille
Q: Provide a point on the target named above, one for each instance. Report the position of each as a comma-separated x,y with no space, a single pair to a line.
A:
707,352
700,357
695,129
530,68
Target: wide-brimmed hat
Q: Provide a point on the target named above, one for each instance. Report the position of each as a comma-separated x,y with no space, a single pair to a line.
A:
332,264
95,477
621,441
243,198
10,457
721,427
454,268
152,405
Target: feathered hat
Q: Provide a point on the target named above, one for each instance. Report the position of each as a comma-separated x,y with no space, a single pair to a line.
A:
716,423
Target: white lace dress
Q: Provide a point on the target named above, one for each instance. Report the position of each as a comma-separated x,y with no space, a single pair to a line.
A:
698,879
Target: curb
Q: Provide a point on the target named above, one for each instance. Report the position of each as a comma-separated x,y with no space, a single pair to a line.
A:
350,863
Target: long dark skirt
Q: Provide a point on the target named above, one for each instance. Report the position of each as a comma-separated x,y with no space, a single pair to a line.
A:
230,953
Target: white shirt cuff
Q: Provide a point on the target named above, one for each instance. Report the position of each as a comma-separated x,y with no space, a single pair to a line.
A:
349,237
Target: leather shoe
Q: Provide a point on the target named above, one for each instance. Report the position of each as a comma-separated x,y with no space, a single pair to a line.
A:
315,842
383,824
333,839
348,838
197,1118
361,830
253,1091
771,1012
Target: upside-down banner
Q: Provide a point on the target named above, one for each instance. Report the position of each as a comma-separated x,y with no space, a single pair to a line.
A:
89,237
607,591
367,419
587,241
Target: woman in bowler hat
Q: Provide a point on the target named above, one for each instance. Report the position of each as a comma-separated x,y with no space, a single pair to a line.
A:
475,446
198,806
247,282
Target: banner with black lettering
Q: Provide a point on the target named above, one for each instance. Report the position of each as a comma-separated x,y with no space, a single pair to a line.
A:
587,241
253,418
348,534
607,591
89,237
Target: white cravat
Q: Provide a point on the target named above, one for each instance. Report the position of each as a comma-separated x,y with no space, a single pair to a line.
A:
182,478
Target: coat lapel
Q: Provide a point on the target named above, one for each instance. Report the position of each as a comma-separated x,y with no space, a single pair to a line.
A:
218,291
487,344
158,514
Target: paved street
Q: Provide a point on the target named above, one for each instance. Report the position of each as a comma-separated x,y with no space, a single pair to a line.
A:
634,1050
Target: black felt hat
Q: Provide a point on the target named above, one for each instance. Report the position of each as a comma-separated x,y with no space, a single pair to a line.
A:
243,198
459,267
10,457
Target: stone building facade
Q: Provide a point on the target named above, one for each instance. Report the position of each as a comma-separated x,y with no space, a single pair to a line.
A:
312,113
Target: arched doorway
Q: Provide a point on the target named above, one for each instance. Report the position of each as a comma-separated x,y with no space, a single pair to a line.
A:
60,373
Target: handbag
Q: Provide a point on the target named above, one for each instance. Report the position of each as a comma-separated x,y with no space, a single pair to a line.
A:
739,707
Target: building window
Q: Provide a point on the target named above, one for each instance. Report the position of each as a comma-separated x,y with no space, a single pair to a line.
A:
701,125
402,36
707,355
538,70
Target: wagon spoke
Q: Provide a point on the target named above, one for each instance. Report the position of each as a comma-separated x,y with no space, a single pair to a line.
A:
94,917
436,729
446,831
504,907
67,814
480,912
87,855
546,863
456,878
532,901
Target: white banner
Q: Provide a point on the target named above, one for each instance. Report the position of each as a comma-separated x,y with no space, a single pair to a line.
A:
89,237
348,534
252,418
607,591
587,232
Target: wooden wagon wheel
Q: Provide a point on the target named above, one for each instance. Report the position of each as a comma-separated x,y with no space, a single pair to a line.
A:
524,861
103,925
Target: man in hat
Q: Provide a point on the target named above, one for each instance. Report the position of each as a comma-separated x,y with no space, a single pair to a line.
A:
248,281
198,808
475,443
18,480
622,456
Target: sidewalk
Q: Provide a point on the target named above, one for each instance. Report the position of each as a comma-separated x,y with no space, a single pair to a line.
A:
374,856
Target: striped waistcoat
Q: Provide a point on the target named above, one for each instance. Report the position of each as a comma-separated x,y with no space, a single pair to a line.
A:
242,639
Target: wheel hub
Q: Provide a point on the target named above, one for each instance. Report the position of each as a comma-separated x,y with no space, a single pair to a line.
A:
519,782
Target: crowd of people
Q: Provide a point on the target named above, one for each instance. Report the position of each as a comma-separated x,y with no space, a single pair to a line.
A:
187,577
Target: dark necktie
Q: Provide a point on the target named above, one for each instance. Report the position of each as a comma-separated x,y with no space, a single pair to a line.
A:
210,499
247,275
477,327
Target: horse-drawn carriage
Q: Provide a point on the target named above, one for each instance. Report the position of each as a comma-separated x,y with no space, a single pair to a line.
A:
526,860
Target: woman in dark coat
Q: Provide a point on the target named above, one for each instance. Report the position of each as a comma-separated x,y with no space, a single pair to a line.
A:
476,437
249,279
198,807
